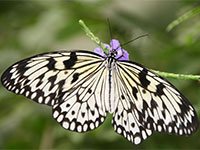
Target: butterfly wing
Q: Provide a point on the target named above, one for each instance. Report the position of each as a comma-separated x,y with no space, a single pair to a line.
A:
70,82
43,77
83,106
126,120
148,103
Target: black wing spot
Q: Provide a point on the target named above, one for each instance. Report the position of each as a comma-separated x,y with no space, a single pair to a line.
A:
144,91
96,106
88,107
71,61
75,77
125,122
83,114
89,91
143,79
153,103
67,105
123,97
51,79
163,113
122,114
133,125
92,111
73,112
118,117
145,105
175,118
51,64
135,91
159,90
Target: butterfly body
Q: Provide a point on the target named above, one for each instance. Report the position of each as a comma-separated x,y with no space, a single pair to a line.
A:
82,87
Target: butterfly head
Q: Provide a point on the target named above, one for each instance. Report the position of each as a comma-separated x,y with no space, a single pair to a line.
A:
113,53
116,51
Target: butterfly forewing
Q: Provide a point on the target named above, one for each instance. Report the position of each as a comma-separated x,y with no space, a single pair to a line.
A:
43,77
157,104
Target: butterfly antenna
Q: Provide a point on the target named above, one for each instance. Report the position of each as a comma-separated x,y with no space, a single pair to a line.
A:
134,39
110,29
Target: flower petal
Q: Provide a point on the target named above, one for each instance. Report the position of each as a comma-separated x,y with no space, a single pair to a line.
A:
114,45
125,55
99,51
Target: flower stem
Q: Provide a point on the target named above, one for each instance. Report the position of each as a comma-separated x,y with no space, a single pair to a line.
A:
163,74
177,76
93,37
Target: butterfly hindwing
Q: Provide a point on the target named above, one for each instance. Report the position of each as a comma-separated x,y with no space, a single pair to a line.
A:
156,104
126,118
43,77
82,107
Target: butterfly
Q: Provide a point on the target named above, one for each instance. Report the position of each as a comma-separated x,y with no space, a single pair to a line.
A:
82,87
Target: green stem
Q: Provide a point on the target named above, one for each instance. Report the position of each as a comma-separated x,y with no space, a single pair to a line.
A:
93,37
177,76
163,74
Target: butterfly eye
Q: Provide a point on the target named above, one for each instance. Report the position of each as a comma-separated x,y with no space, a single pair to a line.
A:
115,53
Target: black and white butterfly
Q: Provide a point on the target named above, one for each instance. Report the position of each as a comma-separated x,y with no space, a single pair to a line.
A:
83,86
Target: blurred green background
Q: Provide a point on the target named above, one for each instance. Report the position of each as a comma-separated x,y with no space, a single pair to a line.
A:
31,27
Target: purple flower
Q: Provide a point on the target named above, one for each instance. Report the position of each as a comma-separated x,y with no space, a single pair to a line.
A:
114,45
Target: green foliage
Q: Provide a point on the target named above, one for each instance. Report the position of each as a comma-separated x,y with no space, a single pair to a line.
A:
182,18
31,27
